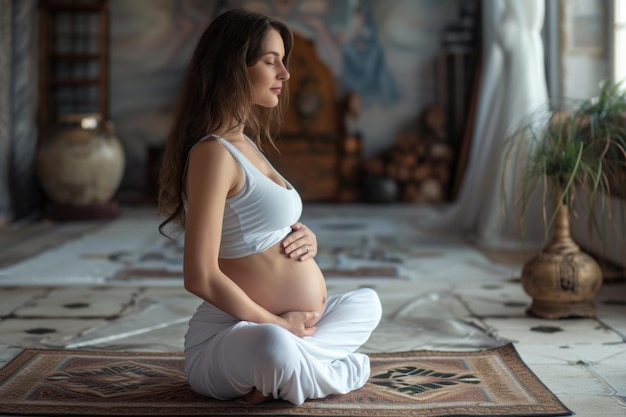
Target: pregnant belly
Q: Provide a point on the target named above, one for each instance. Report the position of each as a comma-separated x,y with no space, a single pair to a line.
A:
277,283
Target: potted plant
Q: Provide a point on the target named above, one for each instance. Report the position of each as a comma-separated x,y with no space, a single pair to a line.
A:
576,155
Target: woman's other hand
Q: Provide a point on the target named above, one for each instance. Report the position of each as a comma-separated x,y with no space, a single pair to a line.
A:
300,323
300,244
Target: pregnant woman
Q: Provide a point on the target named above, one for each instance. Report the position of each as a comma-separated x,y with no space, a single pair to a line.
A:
266,328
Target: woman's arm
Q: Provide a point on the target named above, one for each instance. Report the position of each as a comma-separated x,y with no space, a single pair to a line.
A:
212,176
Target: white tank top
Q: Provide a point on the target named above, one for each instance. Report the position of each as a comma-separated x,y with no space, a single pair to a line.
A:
261,213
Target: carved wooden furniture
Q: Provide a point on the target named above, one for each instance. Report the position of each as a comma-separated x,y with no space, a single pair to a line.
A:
316,154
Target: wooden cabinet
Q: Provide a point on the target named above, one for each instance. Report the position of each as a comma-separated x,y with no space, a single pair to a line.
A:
312,137
310,164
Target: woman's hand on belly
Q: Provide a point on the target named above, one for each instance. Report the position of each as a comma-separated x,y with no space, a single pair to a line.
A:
300,323
300,244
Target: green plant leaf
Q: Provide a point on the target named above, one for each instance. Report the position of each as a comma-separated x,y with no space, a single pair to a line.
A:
579,152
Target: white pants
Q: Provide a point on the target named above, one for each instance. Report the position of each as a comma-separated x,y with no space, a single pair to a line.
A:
226,358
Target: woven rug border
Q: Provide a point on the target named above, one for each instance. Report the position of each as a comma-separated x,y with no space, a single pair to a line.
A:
549,406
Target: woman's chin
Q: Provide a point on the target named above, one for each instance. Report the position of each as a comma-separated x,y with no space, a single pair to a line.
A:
268,103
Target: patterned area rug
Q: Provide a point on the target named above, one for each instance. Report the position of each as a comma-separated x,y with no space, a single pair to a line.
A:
491,382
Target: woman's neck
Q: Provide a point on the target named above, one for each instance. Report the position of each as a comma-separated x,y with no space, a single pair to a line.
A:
235,131
232,133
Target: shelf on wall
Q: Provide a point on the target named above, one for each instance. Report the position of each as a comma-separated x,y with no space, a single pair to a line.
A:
74,56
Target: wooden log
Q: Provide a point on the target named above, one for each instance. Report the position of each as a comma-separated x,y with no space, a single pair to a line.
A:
403,173
431,190
421,173
411,193
442,173
441,151
375,166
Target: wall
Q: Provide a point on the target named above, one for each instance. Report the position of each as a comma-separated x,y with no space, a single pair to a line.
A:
610,242
584,64
383,50
6,200
584,58
19,194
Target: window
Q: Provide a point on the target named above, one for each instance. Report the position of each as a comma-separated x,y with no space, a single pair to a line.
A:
619,41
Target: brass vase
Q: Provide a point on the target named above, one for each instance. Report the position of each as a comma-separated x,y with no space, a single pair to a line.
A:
562,280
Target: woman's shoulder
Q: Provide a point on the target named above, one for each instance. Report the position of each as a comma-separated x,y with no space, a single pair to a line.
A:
209,150
210,138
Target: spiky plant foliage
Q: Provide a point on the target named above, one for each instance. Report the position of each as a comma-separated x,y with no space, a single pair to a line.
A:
577,154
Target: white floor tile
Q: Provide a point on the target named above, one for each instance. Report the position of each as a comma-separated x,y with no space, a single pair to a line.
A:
503,300
553,332
81,301
589,353
40,332
594,406
16,297
613,371
572,379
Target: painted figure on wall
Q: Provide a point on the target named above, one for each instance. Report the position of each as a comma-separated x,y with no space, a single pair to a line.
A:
346,38
364,68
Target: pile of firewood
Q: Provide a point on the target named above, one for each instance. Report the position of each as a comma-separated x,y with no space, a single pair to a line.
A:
419,162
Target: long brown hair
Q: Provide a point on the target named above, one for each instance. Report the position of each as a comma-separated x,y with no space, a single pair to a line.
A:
215,91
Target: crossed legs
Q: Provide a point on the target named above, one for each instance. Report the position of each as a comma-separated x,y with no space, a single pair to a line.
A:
257,361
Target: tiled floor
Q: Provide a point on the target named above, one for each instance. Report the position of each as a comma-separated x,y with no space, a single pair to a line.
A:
446,294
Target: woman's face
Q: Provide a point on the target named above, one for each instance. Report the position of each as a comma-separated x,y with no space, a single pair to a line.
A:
267,75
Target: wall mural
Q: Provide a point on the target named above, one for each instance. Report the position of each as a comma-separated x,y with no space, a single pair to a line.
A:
382,50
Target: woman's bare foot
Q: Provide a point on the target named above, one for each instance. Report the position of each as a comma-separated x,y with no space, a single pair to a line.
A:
255,397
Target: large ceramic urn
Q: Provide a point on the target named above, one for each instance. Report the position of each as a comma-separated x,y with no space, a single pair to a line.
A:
562,280
81,164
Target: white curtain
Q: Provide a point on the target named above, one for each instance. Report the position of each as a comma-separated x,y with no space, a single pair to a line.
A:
513,86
